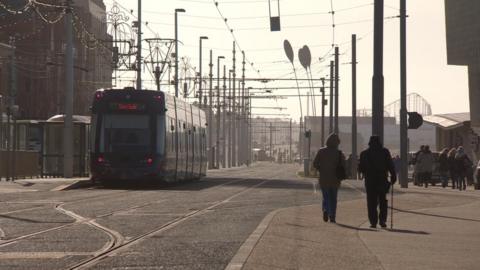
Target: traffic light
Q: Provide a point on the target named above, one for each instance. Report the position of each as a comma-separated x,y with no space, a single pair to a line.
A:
415,120
308,134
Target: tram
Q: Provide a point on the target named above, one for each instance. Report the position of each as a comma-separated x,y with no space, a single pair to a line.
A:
146,135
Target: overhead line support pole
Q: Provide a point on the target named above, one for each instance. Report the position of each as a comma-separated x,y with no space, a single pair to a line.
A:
378,80
332,97
403,96
235,122
68,118
337,65
139,47
354,108
210,114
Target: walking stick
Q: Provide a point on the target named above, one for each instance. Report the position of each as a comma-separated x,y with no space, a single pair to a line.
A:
391,209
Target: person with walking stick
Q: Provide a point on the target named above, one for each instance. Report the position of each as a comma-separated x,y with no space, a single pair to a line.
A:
375,164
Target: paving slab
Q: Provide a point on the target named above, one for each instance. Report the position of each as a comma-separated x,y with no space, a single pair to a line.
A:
433,229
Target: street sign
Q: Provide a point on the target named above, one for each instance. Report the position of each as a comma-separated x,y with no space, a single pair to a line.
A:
415,120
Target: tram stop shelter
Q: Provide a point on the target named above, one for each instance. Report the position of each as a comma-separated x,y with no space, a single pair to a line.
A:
52,146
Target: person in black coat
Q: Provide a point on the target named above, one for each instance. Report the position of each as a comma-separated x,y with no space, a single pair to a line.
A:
375,164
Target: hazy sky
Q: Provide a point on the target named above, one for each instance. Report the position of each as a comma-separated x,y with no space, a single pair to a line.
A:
307,22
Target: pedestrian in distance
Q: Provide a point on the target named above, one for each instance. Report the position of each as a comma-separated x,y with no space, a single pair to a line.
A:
452,167
376,164
397,162
425,162
443,167
330,163
463,165
417,174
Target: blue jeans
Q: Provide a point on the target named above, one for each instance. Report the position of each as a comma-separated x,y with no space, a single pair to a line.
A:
329,202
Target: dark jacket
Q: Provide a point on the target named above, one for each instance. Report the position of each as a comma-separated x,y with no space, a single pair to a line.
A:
326,162
375,164
443,162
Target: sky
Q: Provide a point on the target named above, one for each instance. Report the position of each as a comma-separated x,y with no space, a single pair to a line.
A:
308,22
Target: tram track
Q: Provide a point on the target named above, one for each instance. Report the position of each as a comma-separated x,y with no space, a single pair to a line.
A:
166,226
79,220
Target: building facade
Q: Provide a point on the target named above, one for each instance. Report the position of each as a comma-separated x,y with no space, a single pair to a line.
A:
40,42
463,47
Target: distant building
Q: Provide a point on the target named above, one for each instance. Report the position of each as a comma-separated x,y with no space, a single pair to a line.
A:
425,135
40,56
463,47
453,130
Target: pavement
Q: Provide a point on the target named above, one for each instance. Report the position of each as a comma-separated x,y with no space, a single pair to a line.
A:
433,228
42,184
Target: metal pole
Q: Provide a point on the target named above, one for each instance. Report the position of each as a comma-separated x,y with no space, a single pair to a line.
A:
337,65
235,129
139,47
249,128
210,114
271,145
354,108
217,127
244,128
200,92
176,49
68,119
1,132
403,96
230,119
10,175
323,111
332,97
290,141
224,138
377,81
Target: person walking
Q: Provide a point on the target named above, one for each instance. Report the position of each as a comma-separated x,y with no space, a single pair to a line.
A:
463,164
452,166
397,164
375,164
330,162
416,173
425,162
443,166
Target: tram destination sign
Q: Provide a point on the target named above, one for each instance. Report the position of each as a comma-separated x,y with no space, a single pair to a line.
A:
123,106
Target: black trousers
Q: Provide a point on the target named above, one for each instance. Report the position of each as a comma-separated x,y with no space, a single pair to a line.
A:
376,198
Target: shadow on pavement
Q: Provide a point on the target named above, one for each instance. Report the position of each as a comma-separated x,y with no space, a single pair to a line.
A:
407,231
355,228
434,215
376,230
202,184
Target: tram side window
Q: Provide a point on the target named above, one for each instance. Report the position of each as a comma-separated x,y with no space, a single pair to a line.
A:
204,142
93,132
161,132
179,137
172,134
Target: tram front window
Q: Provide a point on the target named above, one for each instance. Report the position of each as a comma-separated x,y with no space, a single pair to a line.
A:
125,133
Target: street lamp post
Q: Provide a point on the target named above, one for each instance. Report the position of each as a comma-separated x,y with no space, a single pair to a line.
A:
176,48
217,144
